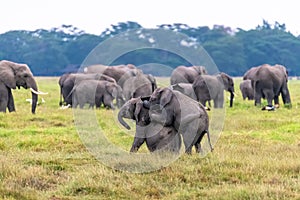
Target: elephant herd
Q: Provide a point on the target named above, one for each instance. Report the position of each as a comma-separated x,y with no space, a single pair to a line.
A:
164,116
101,85
161,115
267,82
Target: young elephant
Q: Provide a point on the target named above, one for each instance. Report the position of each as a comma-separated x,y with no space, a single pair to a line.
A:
247,90
95,92
156,136
208,87
186,115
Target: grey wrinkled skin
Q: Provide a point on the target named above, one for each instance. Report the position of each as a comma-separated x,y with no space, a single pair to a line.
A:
209,87
156,136
247,90
119,73
190,121
14,75
269,82
183,74
185,88
67,81
96,93
138,86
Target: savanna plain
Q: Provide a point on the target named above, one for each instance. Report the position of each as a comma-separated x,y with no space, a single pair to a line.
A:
42,156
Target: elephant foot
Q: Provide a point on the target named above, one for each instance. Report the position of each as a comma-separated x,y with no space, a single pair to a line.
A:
188,151
269,108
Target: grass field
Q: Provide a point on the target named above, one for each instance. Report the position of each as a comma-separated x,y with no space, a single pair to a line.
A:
42,156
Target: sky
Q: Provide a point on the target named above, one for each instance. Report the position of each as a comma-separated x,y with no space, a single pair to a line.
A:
94,16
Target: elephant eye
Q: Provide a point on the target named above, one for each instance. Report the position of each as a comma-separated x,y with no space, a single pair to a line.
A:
26,75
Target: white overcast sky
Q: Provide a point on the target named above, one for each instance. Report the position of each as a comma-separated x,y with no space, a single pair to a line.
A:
94,16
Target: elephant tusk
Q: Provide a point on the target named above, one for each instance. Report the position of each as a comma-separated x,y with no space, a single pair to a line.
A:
38,92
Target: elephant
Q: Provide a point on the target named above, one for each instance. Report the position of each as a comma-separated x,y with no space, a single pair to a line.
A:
247,90
269,82
120,73
169,107
183,74
156,136
136,86
68,80
15,75
96,92
211,87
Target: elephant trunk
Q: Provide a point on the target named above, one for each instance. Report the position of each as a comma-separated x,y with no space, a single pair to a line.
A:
60,98
120,118
33,86
231,99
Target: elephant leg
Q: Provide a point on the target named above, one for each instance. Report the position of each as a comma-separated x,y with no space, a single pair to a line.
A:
190,135
203,102
244,95
108,102
137,143
257,99
285,94
209,104
276,100
198,142
3,97
269,96
198,145
3,103
218,103
98,104
81,105
74,101
11,103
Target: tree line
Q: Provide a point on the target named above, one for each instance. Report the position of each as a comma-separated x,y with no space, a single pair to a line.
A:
63,49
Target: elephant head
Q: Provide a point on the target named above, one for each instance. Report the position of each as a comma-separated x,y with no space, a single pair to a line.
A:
15,75
117,92
136,109
228,85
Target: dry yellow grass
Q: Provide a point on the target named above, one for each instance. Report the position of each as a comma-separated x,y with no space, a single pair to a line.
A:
42,156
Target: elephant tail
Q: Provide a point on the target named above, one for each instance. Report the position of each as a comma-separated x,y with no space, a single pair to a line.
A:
208,139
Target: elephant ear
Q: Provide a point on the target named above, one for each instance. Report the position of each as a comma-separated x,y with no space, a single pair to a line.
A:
7,74
166,96
283,70
224,78
111,89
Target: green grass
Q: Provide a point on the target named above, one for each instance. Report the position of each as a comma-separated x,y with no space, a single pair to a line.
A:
43,156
